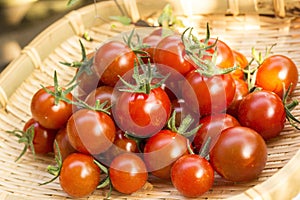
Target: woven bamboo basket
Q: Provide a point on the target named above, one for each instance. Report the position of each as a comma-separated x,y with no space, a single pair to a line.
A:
59,42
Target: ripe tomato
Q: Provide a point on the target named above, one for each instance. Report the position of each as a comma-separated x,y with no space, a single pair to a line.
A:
65,148
43,138
192,175
225,57
112,59
142,114
264,112
162,150
128,173
241,90
79,175
49,115
241,62
91,132
103,94
170,52
214,94
212,126
240,154
276,74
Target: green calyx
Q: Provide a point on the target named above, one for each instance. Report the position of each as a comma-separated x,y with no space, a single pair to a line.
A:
143,75
26,137
199,53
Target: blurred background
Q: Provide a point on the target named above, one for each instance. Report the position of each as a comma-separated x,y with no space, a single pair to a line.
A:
22,20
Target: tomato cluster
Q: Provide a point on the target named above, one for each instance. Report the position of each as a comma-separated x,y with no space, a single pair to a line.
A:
174,106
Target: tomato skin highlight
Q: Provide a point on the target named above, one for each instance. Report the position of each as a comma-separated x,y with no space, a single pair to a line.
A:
276,74
91,132
142,114
43,138
128,173
192,175
264,112
79,176
49,115
162,150
239,155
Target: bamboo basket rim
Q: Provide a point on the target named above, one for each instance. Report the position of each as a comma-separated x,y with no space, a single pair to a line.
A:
75,24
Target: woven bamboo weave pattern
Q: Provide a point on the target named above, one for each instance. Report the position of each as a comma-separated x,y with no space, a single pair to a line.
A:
60,42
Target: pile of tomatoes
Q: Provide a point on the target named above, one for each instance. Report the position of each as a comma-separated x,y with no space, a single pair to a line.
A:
171,105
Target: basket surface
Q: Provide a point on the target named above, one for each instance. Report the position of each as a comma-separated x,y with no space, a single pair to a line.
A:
59,42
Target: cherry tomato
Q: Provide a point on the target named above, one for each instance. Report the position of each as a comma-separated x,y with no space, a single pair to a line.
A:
102,94
240,154
276,74
241,90
264,112
111,60
170,52
225,57
65,148
49,115
142,114
241,62
128,173
91,132
79,175
214,94
162,150
192,175
43,138
212,126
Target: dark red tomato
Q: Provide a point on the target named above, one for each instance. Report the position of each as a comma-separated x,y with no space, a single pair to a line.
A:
79,175
241,62
241,90
225,57
214,94
142,114
276,74
240,154
264,112
212,126
128,173
49,115
192,175
65,148
162,150
121,145
43,138
91,132
170,52
111,60
102,94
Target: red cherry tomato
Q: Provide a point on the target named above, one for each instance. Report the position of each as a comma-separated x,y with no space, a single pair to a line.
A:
212,126
101,94
170,52
79,175
162,150
192,175
241,62
241,90
62,140
43,138
91,132
142,114
276,74
264,112
214,94
111,60
128,173
48,114
240,154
